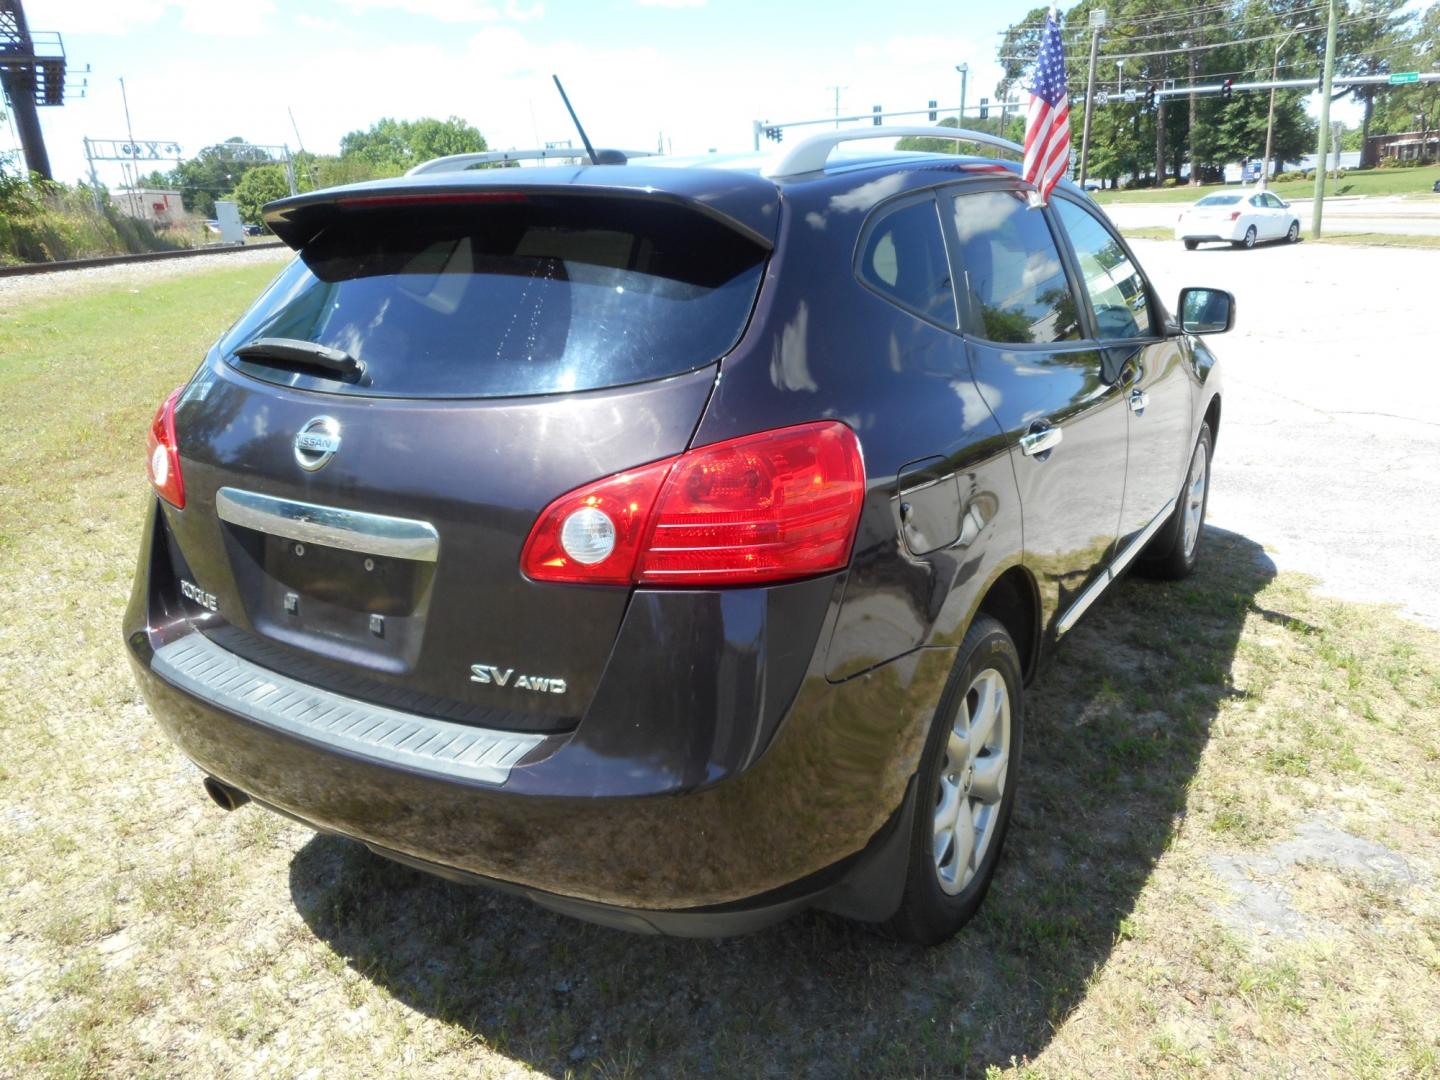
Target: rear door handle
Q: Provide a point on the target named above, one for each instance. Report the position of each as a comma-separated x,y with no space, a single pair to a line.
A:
1040,440
1138,400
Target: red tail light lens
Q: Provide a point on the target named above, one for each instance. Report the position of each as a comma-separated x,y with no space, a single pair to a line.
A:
1235,215
762,508
163,453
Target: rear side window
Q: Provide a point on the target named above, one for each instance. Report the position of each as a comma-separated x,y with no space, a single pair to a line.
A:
1016,283
1219,200
539,295
903,259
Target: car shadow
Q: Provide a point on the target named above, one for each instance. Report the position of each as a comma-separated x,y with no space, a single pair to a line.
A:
1115,730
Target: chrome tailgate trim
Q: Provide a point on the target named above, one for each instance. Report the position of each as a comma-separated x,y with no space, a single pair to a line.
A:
329,526
388,737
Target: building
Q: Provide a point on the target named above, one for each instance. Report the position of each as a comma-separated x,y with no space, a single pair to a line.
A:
1416,146
160,208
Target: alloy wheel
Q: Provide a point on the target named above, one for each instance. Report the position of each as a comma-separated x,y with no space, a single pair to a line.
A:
972,781
1195,497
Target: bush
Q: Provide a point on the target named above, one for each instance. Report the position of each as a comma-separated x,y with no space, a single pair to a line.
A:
46,222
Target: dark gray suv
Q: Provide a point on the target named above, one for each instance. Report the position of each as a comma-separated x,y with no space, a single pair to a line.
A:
670,543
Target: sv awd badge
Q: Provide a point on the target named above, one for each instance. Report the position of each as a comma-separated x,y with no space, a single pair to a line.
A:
494,676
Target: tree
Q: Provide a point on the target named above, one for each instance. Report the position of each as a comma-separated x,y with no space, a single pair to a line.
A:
259,185
1170,42
390,146
1415,107
1365,43
213,173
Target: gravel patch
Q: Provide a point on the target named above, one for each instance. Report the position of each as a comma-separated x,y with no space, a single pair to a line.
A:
17,291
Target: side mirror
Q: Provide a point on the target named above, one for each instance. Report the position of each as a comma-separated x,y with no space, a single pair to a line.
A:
1206,311
1285,204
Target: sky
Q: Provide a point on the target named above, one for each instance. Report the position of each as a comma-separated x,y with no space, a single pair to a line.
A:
696,72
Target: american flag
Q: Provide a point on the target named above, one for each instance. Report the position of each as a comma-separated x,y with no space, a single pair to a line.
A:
1047,127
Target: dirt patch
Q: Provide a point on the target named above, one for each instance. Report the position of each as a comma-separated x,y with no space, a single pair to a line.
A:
1263,901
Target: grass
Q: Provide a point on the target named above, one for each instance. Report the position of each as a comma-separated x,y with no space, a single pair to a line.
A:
1415,181
1185,728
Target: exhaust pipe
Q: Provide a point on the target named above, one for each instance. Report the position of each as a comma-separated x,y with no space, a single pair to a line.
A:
225,796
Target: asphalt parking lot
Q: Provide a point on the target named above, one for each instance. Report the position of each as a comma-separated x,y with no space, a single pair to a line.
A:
1329,451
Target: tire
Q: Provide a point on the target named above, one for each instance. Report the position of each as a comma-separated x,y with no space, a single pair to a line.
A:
942,891
1191,245
1175,551
1293,236
1249,241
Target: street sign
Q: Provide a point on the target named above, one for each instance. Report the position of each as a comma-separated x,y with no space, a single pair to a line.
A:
1132,96
1400,78
1102,98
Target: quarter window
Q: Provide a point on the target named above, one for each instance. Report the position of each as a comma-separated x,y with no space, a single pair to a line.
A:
1015,281
904,260
1114,285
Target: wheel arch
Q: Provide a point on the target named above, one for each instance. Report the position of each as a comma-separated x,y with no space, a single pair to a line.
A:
1212,418
1013,600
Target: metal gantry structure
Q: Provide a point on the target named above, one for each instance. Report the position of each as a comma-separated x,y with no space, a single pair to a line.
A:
165,151
32,74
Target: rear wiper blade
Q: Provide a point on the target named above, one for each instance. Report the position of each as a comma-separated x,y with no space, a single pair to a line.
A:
302,354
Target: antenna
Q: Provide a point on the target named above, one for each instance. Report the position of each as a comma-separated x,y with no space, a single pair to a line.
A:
594,158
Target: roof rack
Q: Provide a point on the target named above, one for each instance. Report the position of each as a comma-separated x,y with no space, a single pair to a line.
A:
458,162
811,154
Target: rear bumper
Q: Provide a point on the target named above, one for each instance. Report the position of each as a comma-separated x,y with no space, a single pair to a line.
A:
659,812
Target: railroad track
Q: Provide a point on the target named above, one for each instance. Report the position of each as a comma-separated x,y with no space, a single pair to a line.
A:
28,269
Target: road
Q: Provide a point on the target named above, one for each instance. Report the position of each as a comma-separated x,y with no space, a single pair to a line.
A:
1418,216
1329,448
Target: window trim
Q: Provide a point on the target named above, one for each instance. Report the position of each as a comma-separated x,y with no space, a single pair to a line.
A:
880,213
1159,316
972,325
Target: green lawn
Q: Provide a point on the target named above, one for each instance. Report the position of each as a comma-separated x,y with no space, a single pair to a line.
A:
1222,863
1370,182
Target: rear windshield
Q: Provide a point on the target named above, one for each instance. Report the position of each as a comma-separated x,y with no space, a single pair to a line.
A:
533,296
1218,200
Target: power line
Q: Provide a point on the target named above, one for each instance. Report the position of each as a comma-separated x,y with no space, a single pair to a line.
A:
1203,48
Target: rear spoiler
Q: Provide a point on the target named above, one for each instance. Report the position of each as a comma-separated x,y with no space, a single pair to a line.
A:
742,202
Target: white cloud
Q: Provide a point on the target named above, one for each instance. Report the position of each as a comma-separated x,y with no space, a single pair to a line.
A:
318,24
453,11
244,18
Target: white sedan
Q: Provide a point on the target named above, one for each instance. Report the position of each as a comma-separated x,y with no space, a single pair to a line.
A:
1239,219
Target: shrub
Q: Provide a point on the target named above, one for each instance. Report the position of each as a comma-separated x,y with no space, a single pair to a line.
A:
42,221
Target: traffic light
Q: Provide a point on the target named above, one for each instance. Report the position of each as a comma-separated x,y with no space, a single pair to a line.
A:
876,110
932,110
1150,97
984,108
1225,89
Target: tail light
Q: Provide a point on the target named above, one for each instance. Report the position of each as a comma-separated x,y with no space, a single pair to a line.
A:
1235,215
163,453
762,508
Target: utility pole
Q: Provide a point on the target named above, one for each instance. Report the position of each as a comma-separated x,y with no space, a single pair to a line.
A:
964,70
837,90
1097,23
130,134
1270,120
1326,85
